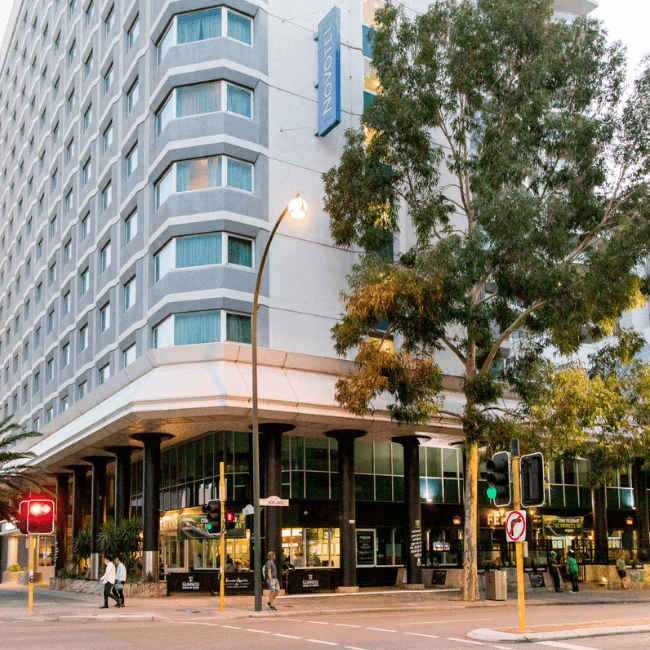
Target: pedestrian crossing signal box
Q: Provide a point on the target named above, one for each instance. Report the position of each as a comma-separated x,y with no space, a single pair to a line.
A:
498,477
531,473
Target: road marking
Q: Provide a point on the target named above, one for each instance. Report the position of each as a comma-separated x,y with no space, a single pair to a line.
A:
318,622
198,623
501,647
288,636
566,646
346,625
458,620
380,629
323,642
464,641
232,627
429,636
248,629
351,647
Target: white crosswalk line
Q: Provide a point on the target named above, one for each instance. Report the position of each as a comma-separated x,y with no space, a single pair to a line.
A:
319,641
346,625
429,636
287,636
380,629
249,629
464,641
566,646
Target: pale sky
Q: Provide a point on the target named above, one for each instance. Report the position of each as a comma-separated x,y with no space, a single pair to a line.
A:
626,20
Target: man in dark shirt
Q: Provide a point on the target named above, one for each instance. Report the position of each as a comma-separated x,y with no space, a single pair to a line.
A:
271,577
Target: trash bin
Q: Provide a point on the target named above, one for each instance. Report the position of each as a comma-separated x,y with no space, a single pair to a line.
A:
496,585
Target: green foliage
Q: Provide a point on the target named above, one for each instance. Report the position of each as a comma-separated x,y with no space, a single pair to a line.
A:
81,548
14,568
15,476
121,541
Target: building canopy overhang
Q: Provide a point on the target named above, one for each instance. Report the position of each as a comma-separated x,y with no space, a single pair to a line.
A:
190,390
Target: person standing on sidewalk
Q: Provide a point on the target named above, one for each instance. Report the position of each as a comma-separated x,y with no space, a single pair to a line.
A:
271,576
572,570
554,570
109,582
622,573
120,579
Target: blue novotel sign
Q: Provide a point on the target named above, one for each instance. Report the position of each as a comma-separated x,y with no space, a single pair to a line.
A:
329,72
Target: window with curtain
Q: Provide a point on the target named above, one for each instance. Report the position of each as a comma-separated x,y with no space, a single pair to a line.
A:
197,327
195,100
198,250
198,26
198,174
240,251
238,328
239,100
240,27
240,175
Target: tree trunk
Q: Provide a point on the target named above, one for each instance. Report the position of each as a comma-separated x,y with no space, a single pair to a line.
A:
470,589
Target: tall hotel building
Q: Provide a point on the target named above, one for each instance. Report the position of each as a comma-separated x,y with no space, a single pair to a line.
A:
147,148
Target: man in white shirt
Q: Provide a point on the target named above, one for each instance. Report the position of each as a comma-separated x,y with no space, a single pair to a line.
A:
109,582
120,579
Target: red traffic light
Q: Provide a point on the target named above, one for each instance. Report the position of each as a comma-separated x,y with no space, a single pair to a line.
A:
40,516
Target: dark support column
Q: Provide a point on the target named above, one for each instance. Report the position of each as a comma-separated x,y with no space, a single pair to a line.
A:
272,487
601,554
62,505
412,551
98,491
639,482
122,481
78,498
151,500
345,439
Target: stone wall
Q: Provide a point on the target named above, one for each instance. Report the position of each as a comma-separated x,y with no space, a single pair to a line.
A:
131,589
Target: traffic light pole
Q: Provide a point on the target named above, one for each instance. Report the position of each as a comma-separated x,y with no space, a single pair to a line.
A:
30,597
222,540
516,500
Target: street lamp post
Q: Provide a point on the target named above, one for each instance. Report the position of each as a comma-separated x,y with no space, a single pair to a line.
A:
297,208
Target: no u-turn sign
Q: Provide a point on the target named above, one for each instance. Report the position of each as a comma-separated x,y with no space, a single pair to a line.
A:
516,526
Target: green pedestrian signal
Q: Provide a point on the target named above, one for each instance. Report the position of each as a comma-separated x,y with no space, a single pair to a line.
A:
213,511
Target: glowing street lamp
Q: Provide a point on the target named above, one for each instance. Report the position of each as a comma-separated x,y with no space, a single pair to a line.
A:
297,209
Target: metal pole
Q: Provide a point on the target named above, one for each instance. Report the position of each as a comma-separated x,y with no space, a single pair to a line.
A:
30,599
519,546
257,537
222,541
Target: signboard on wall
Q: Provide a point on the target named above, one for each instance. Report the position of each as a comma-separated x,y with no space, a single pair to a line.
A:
329,72
365,548
554,526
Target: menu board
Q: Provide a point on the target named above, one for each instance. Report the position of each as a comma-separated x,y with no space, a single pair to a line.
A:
365,548
416,544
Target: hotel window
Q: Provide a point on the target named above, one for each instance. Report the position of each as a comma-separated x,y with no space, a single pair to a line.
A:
55,178
105,256
49,414
52,273
66,302
69,151
37,337
65,355
39,291
55,85
36,385
128,356
83,338
132,96
65,403
88,64
133,32
84,280
132,160
105,317
71,101
107,136
204,173
72,51
50,321
131,226
90,10
57,41
88,117
85,226
69,201
37,424
49,370
108,79
106,196
202,327
203,250
129,294
104,373
109,21
54,226
87,171
67,251
198,99
81,390
203,25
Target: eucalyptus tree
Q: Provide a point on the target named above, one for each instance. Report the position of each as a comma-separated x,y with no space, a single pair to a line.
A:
513,147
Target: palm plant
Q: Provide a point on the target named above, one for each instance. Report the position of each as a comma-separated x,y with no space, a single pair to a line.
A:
15,477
